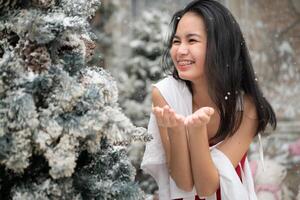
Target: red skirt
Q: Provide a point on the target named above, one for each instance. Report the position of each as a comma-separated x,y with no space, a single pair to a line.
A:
238,171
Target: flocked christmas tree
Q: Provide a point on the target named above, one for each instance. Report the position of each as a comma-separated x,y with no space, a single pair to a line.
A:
140,68
62,134
104,41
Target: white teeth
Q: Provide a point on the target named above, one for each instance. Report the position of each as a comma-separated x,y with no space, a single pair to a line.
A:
185,62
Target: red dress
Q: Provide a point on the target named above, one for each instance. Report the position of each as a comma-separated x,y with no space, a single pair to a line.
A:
238,171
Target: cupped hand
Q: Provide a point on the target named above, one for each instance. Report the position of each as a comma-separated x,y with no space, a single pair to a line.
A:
167,117
199,118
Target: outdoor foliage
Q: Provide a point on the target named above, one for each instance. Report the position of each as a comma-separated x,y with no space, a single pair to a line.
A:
62,133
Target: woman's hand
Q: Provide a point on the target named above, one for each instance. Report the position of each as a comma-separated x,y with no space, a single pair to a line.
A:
199,118
166,117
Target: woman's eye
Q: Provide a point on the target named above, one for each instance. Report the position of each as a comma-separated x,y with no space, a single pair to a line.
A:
192,40
175,41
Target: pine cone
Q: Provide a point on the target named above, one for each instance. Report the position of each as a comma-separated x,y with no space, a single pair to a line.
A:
36,57
43,3
89,47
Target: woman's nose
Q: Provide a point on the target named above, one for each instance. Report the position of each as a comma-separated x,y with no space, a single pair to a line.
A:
182,49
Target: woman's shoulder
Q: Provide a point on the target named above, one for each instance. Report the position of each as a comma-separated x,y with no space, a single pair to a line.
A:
172,91
165,80
249,106
169,82
162,88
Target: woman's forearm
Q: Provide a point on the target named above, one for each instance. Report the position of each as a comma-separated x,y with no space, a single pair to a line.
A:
179,163
204,172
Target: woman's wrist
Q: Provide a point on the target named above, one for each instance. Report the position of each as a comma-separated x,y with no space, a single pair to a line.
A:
197,136
175,130
201,129
177,136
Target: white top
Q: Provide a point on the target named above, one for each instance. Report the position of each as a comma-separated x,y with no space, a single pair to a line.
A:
179,98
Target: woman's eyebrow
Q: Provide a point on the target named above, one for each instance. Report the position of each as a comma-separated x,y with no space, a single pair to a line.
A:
189,35
176,37
194,35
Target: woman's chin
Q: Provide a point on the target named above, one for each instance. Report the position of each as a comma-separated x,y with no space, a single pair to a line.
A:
190,76
184,76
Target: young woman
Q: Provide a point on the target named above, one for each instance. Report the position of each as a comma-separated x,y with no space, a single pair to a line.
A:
207,113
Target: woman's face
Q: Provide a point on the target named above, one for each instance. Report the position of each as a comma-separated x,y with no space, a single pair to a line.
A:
189,47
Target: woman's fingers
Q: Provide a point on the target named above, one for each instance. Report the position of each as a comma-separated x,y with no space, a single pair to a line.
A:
203,117
179,118
167,117
157,111
172,117
200,117
208,110
188,120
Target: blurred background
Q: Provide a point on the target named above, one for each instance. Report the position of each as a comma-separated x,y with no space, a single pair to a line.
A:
134,32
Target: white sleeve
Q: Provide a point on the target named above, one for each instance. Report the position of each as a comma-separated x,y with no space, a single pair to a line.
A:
154,161
230,183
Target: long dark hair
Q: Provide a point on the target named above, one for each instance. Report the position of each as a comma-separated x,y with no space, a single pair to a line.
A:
228,67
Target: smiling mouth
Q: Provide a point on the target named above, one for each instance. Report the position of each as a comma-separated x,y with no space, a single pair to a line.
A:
184,65
185,62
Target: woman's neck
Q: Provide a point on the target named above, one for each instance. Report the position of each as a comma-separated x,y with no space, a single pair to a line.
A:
201,96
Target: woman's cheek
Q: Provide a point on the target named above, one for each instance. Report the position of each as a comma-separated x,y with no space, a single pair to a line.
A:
173,53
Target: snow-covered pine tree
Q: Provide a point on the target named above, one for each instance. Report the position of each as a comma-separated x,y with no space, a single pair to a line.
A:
62,134
104,41
142,66
137,70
